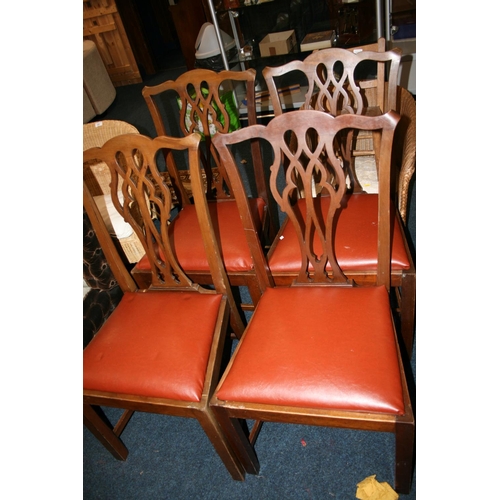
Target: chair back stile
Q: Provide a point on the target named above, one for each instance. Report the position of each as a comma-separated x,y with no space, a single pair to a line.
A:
221,143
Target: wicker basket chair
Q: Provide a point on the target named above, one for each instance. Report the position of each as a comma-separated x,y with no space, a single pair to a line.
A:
97,176
405,144
408,158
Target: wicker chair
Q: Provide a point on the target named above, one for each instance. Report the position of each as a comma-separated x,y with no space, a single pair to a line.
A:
96,175
405,144
408,158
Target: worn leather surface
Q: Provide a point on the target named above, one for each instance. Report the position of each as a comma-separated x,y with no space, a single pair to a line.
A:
188,242
153,345
355,239
105,293
330,348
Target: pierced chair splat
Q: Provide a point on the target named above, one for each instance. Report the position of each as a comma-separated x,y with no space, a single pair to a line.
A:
95,134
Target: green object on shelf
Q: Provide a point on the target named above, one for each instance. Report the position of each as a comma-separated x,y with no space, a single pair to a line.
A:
229,103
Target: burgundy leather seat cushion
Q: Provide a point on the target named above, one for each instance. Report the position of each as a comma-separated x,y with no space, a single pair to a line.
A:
317,347
154,344
355,239
188,242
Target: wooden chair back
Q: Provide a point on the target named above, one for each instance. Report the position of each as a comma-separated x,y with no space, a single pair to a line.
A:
334,80
96,174
142,197
311,169
337,82
202,101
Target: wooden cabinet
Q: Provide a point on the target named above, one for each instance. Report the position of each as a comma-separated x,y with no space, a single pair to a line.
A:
189,16
354,22
103,25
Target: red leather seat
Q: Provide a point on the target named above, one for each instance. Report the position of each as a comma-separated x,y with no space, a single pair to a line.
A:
120,359
294,359
188,242
355,239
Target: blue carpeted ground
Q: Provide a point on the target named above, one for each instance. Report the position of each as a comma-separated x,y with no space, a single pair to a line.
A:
171,458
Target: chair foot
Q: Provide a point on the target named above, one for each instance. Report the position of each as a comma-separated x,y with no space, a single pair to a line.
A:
221,444
97,423
240,443
405,449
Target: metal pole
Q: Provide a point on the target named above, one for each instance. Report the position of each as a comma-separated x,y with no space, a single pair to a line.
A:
232,15
217,33
388,31
379,9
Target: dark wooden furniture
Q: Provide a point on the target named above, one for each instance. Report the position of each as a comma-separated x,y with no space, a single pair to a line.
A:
189,16
103,25
160,350
199,103
339,82
322,351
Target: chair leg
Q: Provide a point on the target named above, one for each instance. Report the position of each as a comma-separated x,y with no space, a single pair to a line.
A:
405,449
255,295
142,278
408,298
239,441
100,427
221,444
